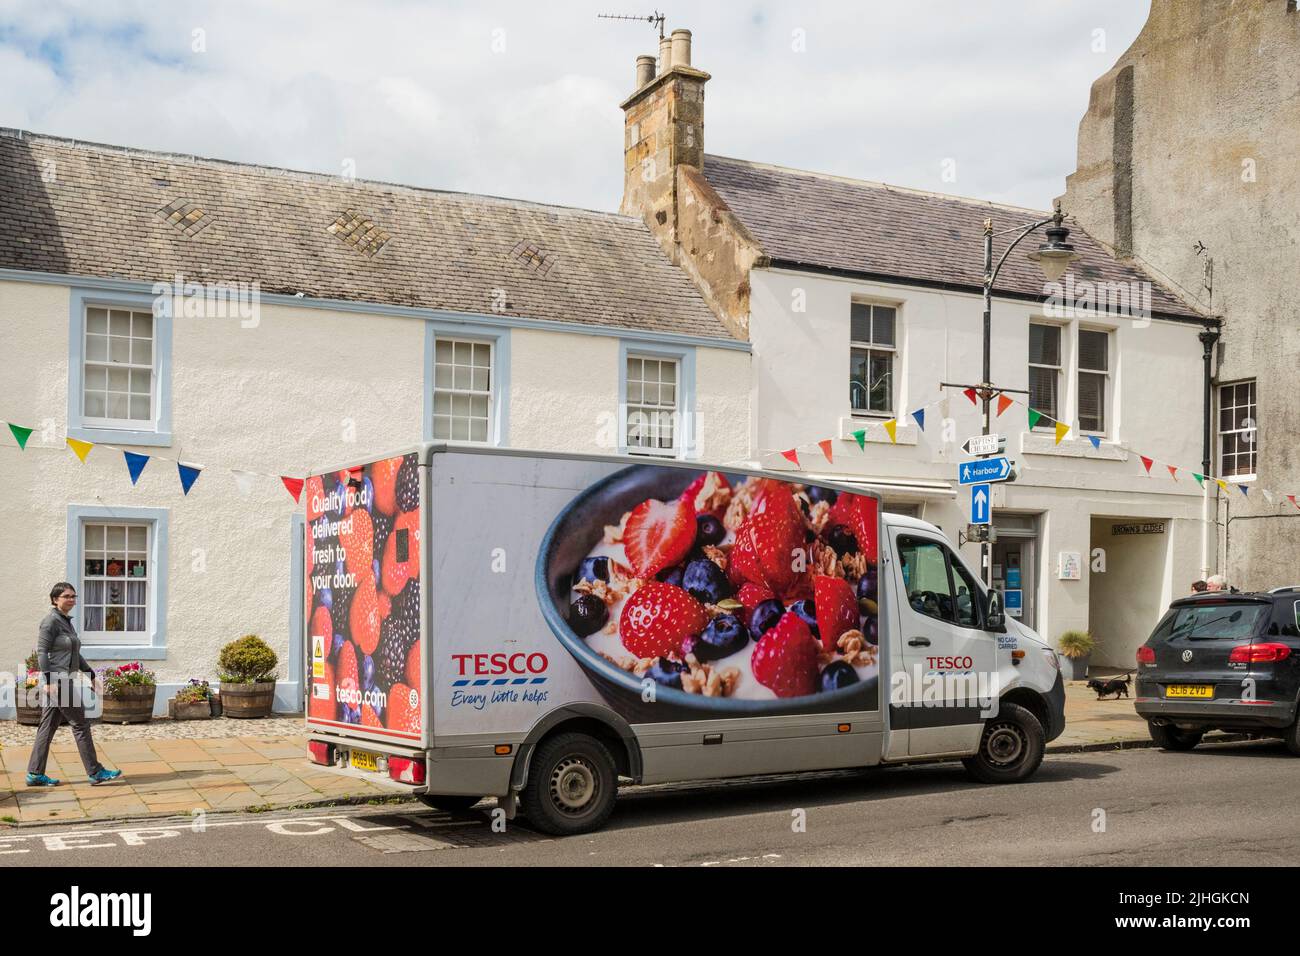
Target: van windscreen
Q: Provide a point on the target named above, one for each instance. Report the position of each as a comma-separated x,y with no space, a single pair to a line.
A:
1220,622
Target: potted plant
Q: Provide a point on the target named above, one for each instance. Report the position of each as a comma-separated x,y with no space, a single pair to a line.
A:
1075,650
192,702
27,694
128,694
247,669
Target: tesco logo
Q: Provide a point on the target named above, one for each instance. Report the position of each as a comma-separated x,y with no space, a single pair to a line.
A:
949,663
488,665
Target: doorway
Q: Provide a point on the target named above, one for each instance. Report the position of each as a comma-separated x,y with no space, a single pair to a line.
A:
1015,566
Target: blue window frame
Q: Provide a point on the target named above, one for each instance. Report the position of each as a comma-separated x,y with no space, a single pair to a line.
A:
466,382
120,368
88,560
656,400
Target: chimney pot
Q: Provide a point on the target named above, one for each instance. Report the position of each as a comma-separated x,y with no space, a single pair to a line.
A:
681,47
645,70
665,55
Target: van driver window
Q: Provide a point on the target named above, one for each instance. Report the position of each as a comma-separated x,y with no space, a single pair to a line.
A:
929,589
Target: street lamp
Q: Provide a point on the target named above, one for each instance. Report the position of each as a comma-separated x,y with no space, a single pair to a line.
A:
1055,255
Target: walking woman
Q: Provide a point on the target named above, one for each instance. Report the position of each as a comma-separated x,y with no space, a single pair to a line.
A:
58,657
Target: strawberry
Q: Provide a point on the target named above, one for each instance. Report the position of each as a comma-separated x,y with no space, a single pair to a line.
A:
837,609
315,497
359,542
693,490
321,625
658,617
770,552
858,513
369,718
385,605
785,659
413,667
323,708
383,475
345,669
403,709
363,616
658,535
396,573
752,595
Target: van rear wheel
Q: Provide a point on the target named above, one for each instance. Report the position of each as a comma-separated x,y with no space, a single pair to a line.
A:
449,803
1169,737
572,784
1011,747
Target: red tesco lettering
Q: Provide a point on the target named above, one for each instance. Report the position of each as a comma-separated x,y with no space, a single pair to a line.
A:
488,665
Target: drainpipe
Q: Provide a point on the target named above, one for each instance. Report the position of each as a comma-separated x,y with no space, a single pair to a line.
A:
1208,338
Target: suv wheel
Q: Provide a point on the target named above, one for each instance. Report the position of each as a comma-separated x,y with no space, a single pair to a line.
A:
1169,737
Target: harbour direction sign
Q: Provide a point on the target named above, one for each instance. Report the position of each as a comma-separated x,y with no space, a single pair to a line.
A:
985,469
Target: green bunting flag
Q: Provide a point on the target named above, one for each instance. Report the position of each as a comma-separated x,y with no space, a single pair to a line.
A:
1034,416
1200,479
861,436
20,434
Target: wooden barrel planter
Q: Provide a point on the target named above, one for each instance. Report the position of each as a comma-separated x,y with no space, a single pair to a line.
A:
247,700
130,705
28,700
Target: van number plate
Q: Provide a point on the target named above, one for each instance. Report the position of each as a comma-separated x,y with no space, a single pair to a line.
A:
362,760
1189,690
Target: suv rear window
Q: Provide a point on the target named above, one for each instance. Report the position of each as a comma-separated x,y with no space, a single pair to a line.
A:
1212,622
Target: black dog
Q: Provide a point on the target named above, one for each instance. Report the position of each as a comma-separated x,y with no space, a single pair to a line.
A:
1116,686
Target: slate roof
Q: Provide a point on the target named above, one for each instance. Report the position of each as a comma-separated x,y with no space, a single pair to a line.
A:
828,222
83,209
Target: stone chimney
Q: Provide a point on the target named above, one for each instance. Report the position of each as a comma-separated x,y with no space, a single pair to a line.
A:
663,129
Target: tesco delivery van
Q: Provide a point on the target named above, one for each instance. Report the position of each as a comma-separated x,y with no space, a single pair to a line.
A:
541,627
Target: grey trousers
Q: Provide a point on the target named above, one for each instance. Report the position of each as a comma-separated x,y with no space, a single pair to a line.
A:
55,712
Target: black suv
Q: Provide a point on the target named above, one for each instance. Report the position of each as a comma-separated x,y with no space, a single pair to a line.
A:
1223,661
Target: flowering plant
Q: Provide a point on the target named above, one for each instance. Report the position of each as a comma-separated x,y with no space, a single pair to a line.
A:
193,692
117,679
33,675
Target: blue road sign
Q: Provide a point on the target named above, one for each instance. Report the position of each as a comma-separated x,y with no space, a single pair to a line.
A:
980,498
984,469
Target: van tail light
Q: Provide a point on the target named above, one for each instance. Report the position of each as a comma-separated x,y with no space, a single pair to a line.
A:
406,769
320,752
1269,653
1146,655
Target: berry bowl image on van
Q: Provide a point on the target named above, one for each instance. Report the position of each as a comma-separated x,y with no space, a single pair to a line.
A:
691,594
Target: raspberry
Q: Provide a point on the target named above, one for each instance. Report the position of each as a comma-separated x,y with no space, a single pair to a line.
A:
785,660
413,666
364,616
403,711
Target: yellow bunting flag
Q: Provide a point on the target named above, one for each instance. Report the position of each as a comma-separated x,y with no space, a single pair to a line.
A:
891,426
1223,485
1062,430
82,448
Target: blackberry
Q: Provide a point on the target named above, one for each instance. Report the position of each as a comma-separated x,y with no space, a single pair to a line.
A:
383,525
408,484
397,635
342,604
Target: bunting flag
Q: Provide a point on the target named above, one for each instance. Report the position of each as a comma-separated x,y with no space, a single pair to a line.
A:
861,436
1034,416
1004,402
825,445
1200,479
244,481
1268,495
1062,430
1223,485
293,486
791,455
82,448
972,395
135,464
1244,490
891,426
1096,441
20,434
1147,463
189,475
919,415
1173,472
1291,498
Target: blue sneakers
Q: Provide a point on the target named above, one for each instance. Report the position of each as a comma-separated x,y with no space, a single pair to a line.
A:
104,776
40,780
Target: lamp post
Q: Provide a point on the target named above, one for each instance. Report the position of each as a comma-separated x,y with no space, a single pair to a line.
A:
1053,257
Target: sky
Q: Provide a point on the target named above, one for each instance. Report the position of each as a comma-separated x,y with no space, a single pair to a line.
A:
522,99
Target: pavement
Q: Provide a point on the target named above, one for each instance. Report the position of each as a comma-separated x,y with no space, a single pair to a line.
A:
168,769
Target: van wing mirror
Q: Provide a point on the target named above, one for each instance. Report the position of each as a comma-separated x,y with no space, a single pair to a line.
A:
995,618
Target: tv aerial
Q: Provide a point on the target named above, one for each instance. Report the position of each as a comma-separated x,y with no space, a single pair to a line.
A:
654,19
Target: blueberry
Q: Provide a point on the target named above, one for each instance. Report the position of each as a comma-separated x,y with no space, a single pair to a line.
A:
867,585
671,575
765,616
872,631
816,493
369,487
594,569
326,598
836,675
587,614
666,672
708,530
706,581
335,646
340,500
842,540
724,636
807,610
374,566
367,672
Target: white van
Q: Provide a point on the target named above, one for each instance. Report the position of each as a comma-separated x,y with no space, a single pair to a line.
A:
540,627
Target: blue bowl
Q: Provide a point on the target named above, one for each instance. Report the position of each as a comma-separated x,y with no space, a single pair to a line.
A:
572,535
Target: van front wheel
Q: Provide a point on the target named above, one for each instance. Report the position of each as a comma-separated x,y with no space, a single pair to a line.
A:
572,783
1011,747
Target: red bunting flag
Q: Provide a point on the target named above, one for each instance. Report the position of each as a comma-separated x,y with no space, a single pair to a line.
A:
792,456
293,486
1291,498
1004,402
970,393
1147,463
825,446
1173,472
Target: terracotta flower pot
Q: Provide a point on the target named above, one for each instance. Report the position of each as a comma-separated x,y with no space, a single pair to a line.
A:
130,705
189,710
248,700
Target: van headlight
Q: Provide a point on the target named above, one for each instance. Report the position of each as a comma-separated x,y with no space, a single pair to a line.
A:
1052,659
